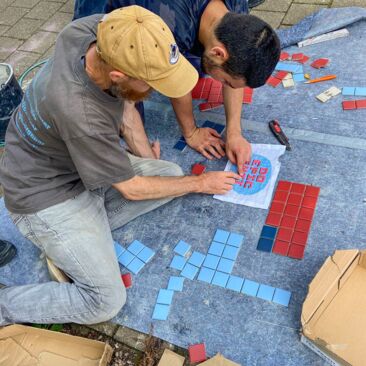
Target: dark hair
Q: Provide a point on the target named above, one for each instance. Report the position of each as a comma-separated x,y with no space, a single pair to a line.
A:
252,45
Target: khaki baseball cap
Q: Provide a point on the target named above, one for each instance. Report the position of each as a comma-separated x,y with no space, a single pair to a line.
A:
138,43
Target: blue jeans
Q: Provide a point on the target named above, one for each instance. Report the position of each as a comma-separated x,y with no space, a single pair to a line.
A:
76,236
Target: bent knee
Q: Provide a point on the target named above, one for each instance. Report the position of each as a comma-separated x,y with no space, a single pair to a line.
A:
172,170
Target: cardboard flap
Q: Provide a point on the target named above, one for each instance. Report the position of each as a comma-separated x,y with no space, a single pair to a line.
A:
11,353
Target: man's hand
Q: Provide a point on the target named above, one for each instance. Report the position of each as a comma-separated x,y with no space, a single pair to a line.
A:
238,150
207,142
218,182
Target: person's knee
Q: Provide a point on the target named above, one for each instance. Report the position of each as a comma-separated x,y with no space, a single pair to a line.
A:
172,170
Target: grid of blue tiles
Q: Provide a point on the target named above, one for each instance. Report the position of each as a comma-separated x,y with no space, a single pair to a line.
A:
134,257
354,91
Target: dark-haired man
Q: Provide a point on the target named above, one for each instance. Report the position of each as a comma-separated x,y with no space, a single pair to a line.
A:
235,48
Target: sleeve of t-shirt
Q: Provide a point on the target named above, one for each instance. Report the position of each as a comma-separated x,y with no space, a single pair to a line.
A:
100,160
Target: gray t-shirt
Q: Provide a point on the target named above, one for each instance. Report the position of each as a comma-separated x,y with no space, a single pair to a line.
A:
64,137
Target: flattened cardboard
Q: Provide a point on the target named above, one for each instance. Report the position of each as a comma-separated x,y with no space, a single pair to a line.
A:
219,360
27,346
333,314
170,358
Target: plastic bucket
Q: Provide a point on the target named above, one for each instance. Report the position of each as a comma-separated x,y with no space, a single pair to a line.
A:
10,97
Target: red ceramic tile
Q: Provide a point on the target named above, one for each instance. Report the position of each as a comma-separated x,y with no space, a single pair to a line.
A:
281,75
280,196
247,98
280,247
273,219
304,60
298,188
296,251
309,202
312,191
294,199
283,185
288,221
208,106
284,234
292,210
302,225
319,63
215,95
273,81
127,280
297,56
284,56
306,213
348,105
300,237
361,104
277,207
197,353
198,169
202,88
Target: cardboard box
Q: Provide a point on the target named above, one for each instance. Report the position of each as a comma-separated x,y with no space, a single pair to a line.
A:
27,346
334,312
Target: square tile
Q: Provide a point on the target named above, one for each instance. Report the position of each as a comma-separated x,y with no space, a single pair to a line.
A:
250,288
236,240
288,221
125,258
268,232
146,254
312,191
266,292
197,259
221,236
360,92
182,248
235,283
219,128
299,77
216,248
284,234
303,225
135,247
349,104
309,202
272,81
296,251
361,104
281,297
348,90
197,353
300,237
198,169
189,271
208,123
178,262
180,145
161,312
118,249
165,297
127,279
211,261
298,188
294,199
230,252
265,245
206,275
136,265
292,210
176,283
283,185
273,219
277,207
281,247
225,265
306,213
220,279
280,196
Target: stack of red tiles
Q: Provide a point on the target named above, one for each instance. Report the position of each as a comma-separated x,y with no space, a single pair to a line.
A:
277,78
319,63
292,212
300,57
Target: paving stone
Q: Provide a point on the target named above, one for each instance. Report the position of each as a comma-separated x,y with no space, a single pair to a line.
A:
11,15
321,2
300,11
40,42
68,7
8,46
57,22
272,18
21,60
3,29
275,5
26,3
342,3
44,10
5,3
24,28
106,328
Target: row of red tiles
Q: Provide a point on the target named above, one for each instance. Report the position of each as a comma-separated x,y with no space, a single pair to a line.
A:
298,188
288,250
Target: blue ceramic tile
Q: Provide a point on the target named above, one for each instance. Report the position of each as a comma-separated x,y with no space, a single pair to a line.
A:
221,236
182,248
136,265
220,279
281,297
250,288
348,90
230,252
225,265
211,261
189,271
182,139
161,312
178,262
118,249
135,247
268,232
360,92
218,128
235,283
206,274
197,259
265,245
298,77
180,145
208,124
126,258
290,67
236,240
176,283
165,297
216,248
266,292
146,254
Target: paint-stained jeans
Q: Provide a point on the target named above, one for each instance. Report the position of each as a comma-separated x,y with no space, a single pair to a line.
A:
76,236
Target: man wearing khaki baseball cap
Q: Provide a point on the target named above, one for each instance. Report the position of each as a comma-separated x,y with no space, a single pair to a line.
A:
68,181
